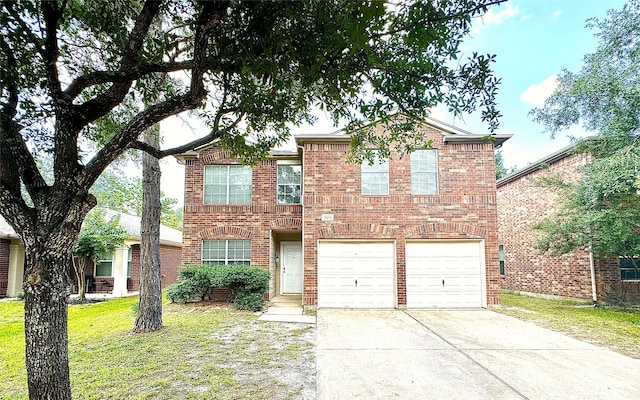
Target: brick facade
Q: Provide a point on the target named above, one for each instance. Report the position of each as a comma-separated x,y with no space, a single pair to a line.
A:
525,200
170,259
465,208
4,265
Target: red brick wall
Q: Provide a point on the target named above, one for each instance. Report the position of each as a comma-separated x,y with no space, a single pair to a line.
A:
464,208
170,259
522,203
4,266
251,221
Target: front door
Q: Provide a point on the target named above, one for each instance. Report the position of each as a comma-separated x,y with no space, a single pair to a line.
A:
291,267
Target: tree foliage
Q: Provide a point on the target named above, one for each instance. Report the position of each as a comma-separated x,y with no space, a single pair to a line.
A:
98,236
73,72
124,194
501,169
602,210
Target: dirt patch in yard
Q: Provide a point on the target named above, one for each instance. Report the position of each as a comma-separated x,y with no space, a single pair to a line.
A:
252,359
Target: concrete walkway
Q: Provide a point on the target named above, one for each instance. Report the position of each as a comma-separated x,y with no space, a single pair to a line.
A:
287,308
461,355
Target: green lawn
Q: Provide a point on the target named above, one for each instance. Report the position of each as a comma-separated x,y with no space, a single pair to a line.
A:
615,328
205,351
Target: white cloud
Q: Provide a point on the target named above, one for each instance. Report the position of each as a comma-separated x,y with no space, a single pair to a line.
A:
498,17
557,14
537,94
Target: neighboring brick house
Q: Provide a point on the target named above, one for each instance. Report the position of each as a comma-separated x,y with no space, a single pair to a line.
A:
418,231
118,273
523,201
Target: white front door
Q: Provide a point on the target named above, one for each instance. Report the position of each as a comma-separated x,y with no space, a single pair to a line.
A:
291,266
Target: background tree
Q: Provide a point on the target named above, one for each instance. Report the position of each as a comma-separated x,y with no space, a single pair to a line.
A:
115,191
501,170
98,236
602,210
75,71
149,317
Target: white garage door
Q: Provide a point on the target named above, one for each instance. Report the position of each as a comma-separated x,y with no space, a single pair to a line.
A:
444,274
356,274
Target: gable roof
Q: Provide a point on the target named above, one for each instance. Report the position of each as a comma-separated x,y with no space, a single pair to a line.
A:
534,166
130,223
451,134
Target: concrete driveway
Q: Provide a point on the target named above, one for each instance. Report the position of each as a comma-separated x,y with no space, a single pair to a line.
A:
461,355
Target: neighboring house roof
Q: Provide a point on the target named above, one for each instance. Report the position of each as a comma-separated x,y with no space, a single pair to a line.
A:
6,231
534,166
130,223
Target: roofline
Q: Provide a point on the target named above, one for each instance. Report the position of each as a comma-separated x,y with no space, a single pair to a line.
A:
550,159
471,138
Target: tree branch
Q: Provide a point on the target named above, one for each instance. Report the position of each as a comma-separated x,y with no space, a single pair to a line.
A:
10,82
102,104
36,42
51,16
102,77
445,18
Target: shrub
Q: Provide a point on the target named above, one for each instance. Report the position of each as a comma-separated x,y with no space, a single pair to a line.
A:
251,301
246,284
180,292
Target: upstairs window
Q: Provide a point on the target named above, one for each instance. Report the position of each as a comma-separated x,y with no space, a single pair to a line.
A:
630,269
424,172
227,184
375,177
289,184
104,265
222,252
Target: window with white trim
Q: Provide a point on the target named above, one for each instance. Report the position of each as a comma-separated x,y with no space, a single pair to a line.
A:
129,257
501,258
222,252
104,266
289,184
227,184
630,268
424,172
375,176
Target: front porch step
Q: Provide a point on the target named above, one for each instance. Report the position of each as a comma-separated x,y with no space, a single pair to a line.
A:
284,310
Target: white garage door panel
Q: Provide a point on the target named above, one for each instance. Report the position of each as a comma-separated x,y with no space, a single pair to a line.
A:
444,274
356,275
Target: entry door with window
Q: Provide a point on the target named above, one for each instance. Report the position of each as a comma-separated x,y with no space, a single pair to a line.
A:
291,266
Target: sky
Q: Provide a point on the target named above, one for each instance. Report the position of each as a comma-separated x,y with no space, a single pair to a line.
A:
533,40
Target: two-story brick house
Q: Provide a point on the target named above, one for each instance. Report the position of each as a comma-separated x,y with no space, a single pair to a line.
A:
523,200
418,231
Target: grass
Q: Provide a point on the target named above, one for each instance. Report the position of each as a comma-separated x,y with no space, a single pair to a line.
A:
204,352
615,328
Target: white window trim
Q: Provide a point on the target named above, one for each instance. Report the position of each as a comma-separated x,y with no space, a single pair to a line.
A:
437,172
95,266
226,251
365,163
278,184
227,192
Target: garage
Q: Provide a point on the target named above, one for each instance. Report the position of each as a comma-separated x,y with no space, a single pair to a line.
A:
445,274
356,274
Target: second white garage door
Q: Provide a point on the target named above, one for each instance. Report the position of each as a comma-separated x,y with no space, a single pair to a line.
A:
445,274
356,274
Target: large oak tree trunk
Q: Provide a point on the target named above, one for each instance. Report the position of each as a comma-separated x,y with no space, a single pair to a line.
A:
46,289
149,316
